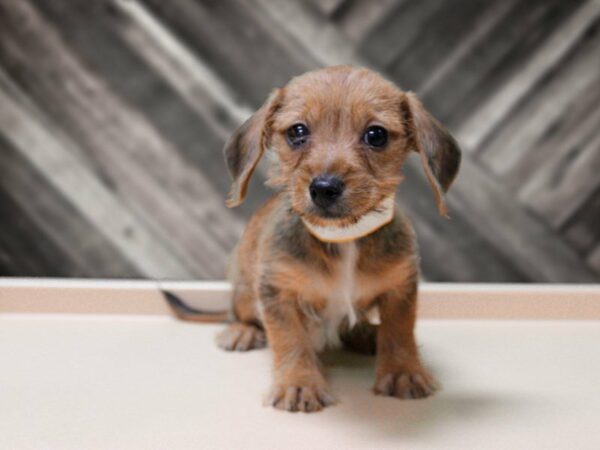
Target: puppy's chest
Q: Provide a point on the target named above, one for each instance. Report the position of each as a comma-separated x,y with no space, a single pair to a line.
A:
341,292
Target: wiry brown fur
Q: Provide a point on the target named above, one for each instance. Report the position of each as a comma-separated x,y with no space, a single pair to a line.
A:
284,277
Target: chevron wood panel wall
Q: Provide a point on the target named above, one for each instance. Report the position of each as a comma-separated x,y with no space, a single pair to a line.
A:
113,114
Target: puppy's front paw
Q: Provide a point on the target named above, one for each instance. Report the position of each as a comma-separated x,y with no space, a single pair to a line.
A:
241,337
406,384
299,398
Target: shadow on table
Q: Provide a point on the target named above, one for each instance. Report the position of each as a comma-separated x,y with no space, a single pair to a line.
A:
352,376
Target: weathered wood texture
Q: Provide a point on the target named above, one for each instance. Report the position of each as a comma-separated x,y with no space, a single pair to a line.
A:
113,114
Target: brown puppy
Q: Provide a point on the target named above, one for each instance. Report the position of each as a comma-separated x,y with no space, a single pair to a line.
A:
328,250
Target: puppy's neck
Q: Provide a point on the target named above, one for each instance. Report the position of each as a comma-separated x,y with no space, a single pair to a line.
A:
367,224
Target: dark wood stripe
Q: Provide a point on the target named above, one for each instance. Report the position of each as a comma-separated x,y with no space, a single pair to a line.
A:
496,58
426,51
582,229
42,234
396,31
20,251
93,33
451,249
227,34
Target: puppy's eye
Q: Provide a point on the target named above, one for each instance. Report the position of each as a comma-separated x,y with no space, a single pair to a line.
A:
375,136
297,135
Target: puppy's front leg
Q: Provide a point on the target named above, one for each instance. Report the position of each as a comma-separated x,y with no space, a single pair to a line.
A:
298,384
399,369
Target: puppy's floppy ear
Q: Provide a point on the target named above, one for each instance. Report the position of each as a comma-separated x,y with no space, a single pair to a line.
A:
439,152
245,147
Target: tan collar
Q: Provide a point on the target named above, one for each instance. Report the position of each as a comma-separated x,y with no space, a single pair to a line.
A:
367,224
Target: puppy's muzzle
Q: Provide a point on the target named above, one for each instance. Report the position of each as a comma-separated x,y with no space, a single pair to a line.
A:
325,190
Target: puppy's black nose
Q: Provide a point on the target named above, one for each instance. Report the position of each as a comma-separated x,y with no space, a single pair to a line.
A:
325,190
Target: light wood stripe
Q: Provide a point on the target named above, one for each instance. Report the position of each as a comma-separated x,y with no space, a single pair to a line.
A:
43,233
76,183
361,17
321,39
559,200
186,72
159,185
544,107
473,132
480,30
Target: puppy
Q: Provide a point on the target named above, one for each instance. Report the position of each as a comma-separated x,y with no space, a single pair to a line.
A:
331,250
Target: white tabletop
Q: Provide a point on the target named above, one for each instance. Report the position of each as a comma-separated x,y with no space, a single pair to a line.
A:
127,382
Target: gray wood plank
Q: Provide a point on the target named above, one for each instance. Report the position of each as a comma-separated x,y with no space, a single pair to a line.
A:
147,172
525,240
192,78
582,229
360,17
515,149
456,58
50,154
320,41
451,249
454,92
448,27
21,255
43,234
512,77
397,31
94,34
328,7
574,126
568,176
594,258
199,87
229,36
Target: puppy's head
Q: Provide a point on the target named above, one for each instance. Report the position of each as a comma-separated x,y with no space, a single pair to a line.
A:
340,136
